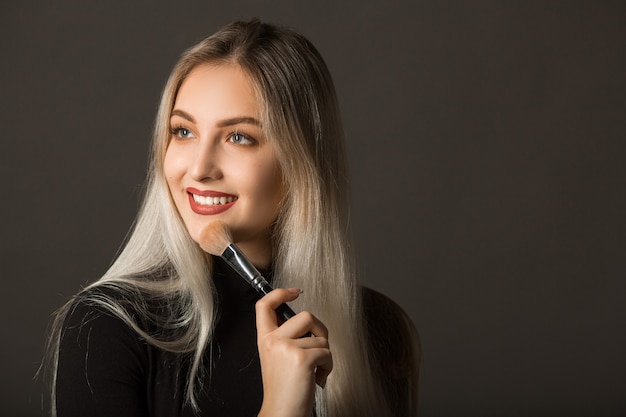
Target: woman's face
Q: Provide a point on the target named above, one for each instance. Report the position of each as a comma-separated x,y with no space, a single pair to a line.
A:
219,164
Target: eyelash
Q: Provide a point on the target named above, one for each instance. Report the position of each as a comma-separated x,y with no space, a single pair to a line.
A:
246,137
176,131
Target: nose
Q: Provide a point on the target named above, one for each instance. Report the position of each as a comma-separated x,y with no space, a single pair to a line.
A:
205,165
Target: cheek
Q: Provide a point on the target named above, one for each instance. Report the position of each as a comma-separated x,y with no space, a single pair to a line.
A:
263,184
266,177
174,172
278,185
171,167
272,187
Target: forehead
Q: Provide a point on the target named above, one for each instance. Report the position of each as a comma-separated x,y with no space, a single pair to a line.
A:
219,91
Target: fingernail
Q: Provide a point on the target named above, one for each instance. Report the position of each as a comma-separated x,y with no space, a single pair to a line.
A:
295,290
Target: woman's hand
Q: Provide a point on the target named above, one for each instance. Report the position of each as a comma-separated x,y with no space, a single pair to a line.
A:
291,365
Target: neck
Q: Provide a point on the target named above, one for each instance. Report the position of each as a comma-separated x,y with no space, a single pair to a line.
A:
259,255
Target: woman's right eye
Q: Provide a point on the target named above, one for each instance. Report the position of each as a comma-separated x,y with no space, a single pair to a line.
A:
182,132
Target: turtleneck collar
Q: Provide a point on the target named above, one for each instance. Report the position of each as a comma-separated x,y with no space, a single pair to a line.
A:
233,291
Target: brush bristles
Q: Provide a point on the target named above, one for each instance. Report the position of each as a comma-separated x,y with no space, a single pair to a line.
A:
215,238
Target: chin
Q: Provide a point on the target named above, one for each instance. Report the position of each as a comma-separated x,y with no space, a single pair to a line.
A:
195,231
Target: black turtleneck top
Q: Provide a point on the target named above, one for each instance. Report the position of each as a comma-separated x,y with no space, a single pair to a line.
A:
106,369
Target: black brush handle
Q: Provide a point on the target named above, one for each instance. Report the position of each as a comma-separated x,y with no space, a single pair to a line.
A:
236,259
284,311
263,287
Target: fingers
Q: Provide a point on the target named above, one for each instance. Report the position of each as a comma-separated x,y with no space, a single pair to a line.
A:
266,318
311,355
299,325
319,357
324,366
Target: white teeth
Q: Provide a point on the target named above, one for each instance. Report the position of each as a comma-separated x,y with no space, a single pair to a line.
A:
213,201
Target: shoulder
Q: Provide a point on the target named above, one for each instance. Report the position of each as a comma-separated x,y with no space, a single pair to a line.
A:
97,320
102,361
102,304
395,348
97,342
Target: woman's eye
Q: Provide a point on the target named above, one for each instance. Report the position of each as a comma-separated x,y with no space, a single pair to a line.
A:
240,139
182,133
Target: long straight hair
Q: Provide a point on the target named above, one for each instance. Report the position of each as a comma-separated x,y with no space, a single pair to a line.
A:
311,237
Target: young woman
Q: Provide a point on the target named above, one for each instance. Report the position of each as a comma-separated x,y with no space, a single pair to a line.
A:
248,132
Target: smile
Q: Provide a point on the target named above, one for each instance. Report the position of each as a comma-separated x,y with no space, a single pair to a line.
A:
209,202
213,201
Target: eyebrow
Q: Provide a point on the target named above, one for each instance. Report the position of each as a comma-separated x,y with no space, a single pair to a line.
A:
222,123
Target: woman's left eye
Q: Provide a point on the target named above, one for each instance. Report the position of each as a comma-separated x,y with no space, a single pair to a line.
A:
240,139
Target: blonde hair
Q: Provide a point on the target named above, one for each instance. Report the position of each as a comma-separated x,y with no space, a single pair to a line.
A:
311,238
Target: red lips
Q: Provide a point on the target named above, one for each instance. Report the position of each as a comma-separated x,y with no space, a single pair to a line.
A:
208,209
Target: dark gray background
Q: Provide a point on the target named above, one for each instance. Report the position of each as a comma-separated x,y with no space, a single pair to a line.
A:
486,145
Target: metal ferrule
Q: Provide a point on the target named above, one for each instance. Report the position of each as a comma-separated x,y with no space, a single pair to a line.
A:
242,265
233,256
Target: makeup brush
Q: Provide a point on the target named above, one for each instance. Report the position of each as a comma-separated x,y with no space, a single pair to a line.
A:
217,240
